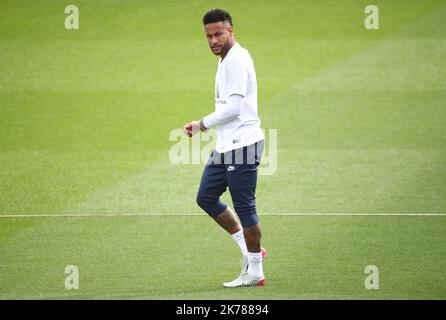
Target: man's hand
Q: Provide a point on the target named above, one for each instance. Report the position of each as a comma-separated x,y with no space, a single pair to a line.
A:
187,129
193,127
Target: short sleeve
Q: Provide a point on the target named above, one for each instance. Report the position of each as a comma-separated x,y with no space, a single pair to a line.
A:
237,77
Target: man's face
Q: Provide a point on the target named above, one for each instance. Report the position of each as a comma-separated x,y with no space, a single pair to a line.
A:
219,35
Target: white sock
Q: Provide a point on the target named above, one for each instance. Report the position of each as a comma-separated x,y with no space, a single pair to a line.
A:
240,240
255,268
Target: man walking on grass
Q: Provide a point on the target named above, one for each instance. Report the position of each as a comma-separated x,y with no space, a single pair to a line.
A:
240,141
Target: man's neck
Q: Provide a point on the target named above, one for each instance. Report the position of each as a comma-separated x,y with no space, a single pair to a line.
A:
222,56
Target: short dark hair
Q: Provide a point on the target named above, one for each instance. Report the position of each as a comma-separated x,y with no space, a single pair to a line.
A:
217,15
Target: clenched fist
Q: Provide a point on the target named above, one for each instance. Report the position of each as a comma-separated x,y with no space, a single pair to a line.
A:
193,127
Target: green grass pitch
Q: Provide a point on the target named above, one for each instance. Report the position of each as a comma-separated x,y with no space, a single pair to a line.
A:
85,121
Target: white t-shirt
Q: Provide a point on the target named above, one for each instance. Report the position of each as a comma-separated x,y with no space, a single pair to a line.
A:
235,76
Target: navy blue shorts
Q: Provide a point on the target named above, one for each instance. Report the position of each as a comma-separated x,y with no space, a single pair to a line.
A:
236,170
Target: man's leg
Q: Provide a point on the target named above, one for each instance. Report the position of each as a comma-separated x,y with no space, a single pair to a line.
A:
213,184
242,182
228,221
244,204
253,236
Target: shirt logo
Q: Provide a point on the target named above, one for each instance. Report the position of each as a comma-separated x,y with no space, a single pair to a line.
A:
231,168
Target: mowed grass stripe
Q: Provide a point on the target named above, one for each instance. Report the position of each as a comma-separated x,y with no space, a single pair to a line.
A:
297,214
310,257
180,257
342,154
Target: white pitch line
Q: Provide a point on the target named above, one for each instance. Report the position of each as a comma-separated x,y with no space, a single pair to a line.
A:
96,215
358,214
299,214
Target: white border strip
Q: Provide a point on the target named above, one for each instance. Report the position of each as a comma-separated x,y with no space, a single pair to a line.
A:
357,214
298,214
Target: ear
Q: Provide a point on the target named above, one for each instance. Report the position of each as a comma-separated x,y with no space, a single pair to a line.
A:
231,30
